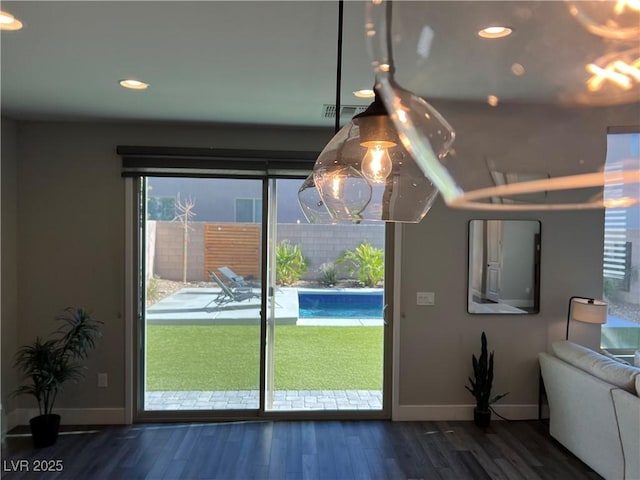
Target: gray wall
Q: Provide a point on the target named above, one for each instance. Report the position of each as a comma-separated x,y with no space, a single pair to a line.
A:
436,342
8,253
325,243
71,252
169,251
71,228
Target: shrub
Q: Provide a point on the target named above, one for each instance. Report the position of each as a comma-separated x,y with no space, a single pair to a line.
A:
290,263
153,288
328,274
366,262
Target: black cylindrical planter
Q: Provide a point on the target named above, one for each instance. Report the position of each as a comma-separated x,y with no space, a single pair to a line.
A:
481,417
44,429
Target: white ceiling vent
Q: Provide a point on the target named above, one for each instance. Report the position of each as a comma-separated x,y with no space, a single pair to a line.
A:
329,111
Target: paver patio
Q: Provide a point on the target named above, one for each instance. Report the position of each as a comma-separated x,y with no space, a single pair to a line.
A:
282,400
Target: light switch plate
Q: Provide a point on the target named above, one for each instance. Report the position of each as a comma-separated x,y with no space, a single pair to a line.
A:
425,298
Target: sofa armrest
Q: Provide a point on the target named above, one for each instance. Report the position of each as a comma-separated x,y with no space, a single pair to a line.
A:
627,408
582,417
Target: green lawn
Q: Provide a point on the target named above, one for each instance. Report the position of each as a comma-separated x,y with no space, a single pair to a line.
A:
226,357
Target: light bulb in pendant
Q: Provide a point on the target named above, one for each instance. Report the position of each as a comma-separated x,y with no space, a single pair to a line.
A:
376,164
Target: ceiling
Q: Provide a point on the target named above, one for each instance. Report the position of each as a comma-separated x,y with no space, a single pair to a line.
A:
274,63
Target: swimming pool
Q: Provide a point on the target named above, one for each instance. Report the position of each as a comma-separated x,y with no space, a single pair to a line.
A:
343,303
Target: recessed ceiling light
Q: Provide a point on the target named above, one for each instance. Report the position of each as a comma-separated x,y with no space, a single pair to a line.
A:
364,93
134,84
493,100
9,22
495,32
517,69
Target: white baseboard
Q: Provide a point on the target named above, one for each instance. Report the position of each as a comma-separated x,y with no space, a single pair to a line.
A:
462,412
116,416
71,416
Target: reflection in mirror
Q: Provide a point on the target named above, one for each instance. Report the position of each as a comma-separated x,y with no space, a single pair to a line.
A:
504,266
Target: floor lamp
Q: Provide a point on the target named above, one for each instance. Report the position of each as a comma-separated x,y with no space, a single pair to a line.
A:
587,310
582,309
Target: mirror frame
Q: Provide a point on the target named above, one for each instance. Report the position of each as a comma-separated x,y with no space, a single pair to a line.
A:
491,302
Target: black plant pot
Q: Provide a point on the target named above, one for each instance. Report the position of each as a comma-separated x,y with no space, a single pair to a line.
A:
481,417
44,429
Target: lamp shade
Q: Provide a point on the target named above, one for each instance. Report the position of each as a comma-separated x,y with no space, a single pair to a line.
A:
365,173
589,310
547,151
311,203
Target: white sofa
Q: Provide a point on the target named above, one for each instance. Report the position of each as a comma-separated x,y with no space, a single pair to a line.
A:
594,408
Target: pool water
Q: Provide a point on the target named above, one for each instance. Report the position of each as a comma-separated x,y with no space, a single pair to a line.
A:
340,304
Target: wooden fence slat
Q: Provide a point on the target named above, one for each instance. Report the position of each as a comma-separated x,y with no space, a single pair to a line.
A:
236,246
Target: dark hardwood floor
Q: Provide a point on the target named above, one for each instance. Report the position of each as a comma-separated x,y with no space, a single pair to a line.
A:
322,450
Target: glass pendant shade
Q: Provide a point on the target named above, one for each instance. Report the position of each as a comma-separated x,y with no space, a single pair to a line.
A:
344,191
395,191
521,155
311,203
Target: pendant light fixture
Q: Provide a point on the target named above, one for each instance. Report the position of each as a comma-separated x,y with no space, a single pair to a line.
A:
347,192
366,174
528,175
381,180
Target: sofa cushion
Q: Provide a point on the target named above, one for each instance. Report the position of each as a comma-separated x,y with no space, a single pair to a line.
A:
610,371
638,385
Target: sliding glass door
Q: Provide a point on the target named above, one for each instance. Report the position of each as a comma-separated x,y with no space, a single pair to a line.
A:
202,271
248,310
325,335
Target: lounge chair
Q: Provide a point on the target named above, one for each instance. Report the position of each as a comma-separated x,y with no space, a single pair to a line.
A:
235,279
229,294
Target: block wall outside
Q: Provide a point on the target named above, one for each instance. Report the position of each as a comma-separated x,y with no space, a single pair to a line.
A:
320,244
168,257
325,243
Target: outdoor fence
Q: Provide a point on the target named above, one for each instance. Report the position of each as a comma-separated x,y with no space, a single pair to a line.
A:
237,245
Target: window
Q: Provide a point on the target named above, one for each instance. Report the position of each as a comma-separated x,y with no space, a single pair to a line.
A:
248,210
621,268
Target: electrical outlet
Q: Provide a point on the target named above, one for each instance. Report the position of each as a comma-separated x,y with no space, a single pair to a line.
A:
103,380
425,298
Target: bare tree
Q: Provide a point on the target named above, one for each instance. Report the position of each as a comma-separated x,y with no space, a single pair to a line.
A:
184,214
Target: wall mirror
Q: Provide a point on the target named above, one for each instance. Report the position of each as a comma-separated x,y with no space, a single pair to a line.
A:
504,267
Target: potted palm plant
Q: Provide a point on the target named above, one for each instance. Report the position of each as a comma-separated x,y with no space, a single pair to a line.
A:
480,385
48,364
